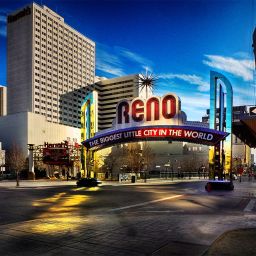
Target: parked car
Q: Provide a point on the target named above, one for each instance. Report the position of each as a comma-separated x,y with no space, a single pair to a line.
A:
88,182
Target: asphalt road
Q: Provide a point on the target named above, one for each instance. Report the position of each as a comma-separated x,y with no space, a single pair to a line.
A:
146,219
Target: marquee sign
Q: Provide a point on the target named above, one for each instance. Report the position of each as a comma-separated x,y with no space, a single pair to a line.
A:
62,153
160,110
56,154
179,133
155,118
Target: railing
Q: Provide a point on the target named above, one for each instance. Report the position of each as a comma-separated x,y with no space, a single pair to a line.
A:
182,175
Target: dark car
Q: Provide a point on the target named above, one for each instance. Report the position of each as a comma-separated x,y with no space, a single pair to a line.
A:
88,182
218,185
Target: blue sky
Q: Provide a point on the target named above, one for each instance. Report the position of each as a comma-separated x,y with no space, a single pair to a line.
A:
179,41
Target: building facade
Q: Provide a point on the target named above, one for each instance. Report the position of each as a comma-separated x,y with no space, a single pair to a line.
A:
25,128
46,60
3,100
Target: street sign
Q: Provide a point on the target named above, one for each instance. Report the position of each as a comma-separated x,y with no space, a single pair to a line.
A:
253,111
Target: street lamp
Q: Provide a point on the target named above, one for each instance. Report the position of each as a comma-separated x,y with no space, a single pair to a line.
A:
31,170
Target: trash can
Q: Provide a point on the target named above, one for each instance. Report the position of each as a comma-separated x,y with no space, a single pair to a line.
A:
133,179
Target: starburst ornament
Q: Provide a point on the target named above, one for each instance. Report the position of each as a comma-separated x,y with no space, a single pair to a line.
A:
147,81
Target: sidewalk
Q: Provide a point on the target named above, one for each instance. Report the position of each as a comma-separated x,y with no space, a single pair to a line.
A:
55,183
36,183
234,243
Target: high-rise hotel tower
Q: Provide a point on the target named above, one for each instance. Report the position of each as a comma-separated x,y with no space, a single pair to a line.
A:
47,59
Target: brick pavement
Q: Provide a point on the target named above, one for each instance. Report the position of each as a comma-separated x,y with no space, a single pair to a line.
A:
79,234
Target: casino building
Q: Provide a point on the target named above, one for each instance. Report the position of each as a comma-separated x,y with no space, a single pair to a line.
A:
47,60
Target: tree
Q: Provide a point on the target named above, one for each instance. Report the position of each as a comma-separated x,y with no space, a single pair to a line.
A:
148,156
16,160
133,157
112,159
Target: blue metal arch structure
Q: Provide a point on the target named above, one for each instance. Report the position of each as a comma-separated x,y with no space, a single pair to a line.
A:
220,156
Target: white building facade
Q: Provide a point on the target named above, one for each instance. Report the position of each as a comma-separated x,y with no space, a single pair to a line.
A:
46,60
25,128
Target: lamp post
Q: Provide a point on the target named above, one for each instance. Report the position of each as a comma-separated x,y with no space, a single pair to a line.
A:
203,170
31,169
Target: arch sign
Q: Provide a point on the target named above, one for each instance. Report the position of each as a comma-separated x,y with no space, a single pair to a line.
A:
155,118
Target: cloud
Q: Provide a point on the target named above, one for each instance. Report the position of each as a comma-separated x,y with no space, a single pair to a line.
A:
238,67
112,60
242,55
243,91
194,105
103,54
107,62
134,57
3,19
3,31
244,95
4,10
109,69
194,108
147,68
192,79
194,102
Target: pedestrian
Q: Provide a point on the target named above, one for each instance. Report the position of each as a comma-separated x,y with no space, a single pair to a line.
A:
67,175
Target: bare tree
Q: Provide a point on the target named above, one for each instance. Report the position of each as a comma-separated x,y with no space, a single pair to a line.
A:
112,160
134,157
16,160
148,156
130,157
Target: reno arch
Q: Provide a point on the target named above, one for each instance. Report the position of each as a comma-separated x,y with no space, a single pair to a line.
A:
147,110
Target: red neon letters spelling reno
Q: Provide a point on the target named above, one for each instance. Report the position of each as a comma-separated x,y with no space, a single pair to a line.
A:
152,109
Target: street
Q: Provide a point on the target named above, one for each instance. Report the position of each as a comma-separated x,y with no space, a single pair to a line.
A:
176,218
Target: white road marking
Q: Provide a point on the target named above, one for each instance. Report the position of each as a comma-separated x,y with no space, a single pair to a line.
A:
145,203
250,206
167,211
